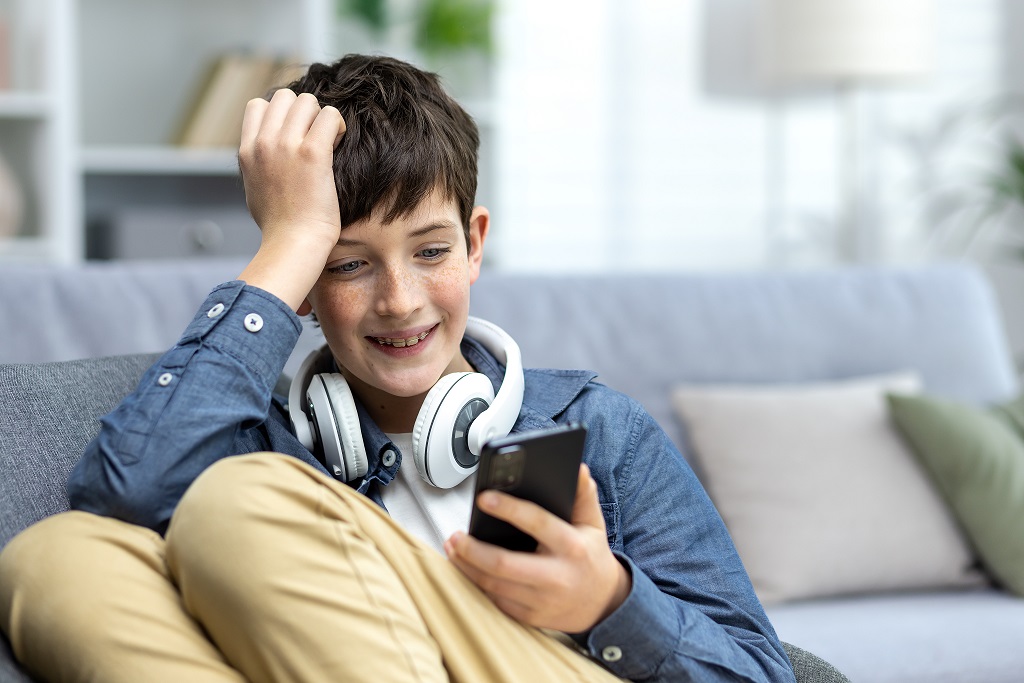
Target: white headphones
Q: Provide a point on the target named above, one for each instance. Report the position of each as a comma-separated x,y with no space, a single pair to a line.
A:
458,416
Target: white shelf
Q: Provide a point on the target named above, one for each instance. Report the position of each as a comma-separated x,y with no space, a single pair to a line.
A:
158,160
23,104
24,249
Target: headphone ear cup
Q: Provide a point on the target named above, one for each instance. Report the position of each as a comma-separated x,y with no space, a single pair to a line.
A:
336,421
439,444
425,418
302,424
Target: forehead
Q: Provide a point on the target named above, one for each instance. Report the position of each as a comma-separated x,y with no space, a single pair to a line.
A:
434,213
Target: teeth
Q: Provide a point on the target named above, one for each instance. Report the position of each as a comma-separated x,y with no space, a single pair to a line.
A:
401,343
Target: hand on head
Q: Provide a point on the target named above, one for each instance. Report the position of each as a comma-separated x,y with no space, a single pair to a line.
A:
286,157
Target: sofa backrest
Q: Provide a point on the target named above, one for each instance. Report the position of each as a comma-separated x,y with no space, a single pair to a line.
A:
642,333
103,308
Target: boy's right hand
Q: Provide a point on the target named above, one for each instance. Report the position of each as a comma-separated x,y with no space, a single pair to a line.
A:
286,158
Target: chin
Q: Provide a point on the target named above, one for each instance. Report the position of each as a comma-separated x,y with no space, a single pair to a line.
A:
408,387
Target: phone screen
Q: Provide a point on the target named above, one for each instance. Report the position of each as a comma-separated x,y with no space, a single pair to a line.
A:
540,466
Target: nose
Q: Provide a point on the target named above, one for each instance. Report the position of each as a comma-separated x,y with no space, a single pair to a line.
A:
398,295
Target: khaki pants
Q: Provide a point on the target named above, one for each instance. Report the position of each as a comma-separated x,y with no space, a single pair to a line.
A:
269,572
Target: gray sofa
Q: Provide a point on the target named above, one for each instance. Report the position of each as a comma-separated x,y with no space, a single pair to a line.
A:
643,334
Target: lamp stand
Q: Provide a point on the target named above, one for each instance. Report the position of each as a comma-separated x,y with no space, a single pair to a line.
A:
851,236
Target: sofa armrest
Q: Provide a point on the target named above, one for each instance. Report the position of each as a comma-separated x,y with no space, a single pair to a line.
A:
10,672
50,411
810,668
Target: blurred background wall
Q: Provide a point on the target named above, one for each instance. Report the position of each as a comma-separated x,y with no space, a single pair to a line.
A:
639,135
617,135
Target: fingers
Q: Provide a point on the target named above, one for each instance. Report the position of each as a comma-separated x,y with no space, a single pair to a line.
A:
299,118
505,575
570,583
329,125
548,529
524,515
291,120
280,103
493,569
511,598
586,509
255,110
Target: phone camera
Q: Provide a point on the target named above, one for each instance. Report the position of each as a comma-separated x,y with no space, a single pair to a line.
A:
507,468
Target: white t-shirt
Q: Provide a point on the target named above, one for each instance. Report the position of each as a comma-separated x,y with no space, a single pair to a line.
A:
429,513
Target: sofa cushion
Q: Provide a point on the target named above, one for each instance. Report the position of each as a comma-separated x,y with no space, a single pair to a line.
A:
976,459
819,492
49,414
948,637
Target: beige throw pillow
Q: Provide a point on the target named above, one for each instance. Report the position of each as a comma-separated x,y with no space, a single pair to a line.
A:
819,492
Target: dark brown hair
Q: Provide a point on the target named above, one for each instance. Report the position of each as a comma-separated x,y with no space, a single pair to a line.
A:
405,136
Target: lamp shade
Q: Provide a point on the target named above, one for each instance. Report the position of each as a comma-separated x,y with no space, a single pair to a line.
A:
845,40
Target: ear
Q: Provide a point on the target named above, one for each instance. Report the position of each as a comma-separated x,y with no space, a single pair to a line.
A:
479,223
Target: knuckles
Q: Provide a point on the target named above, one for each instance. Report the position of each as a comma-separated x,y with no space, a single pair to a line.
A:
500,564
488,584
575,549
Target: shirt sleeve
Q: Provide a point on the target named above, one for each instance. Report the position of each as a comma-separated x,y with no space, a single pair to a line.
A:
188,408
691,613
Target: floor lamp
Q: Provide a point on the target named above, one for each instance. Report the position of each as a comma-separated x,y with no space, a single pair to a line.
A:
846,44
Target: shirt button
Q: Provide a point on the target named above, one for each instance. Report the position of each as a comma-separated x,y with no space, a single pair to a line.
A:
253,322
611,653
215,311
389,458
164,379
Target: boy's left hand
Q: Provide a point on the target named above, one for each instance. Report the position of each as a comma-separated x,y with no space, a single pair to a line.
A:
572,581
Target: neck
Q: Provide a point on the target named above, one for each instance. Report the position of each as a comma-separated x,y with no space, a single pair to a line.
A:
393,414
397,414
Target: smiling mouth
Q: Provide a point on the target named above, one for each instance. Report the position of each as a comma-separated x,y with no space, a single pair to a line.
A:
403,342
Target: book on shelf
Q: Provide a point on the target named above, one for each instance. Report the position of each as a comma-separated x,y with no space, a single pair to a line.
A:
214,117
286,71
5,56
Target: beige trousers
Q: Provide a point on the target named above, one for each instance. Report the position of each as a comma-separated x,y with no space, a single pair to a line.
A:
269,572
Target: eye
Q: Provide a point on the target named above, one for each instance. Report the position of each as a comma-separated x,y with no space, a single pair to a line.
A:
345,268
434,253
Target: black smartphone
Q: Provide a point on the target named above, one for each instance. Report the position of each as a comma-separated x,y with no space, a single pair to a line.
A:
541,466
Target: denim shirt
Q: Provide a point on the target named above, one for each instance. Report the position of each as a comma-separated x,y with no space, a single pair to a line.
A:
691,614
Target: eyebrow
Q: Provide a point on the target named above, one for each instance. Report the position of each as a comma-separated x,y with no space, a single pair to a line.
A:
418,232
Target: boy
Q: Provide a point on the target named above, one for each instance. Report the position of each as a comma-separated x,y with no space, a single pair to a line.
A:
268,568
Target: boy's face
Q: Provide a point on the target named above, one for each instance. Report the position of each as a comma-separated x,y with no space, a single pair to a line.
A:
393,299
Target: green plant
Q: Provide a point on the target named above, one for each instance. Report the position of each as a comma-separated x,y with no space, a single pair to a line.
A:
1004,190
1007,185
441,26
971,172
374,13
455,25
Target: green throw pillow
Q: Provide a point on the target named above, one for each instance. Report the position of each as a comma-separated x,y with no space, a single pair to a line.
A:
976,459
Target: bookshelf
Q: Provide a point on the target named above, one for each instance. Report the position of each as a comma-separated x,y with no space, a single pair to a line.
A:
36,129
98,93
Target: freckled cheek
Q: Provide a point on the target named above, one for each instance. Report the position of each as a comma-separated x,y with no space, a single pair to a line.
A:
340,308
448,287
